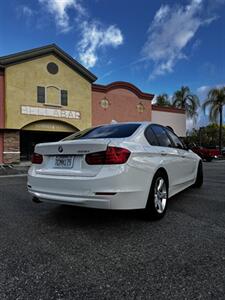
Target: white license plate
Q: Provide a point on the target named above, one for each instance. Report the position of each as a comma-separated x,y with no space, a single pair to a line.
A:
65,161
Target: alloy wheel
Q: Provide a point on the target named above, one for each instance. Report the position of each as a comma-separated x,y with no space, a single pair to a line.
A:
160,195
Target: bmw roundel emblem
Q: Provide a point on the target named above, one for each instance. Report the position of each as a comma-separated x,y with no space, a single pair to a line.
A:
60,149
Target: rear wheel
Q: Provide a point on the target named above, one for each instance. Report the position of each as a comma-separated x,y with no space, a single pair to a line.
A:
158,196
199,178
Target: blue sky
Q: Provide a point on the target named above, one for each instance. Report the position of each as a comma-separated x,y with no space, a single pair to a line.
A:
157,45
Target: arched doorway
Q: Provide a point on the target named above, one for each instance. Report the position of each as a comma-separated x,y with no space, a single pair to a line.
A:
43,131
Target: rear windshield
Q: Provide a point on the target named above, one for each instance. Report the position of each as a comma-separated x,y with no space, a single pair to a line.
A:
105,131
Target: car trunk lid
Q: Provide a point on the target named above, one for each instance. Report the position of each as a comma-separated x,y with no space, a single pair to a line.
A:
67,158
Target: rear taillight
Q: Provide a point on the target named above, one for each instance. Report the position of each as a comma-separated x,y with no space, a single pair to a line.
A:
37,158
112,156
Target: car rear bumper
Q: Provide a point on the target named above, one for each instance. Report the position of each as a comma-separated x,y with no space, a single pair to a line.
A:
118,201
71,200
123,187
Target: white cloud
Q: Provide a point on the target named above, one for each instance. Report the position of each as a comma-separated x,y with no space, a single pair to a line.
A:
94,35
170,32
24,11
27,11
94,38
202,91
59,9
154,99
162,13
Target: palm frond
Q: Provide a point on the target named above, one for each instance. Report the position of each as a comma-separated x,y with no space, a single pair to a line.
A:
163,100
213,113
207,103
177,103
183,98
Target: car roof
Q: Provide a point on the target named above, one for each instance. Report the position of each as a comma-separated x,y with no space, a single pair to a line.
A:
120,123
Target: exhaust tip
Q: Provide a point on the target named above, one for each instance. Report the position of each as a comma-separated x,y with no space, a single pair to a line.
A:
36,200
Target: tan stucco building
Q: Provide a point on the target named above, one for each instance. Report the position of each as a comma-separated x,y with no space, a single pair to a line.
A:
46,94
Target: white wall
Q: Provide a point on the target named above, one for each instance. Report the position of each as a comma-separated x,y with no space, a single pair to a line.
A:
175,120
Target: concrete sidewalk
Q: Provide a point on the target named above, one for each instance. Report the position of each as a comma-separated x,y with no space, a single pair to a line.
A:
14,169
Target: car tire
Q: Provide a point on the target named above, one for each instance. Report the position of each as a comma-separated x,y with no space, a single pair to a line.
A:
158,197
199,178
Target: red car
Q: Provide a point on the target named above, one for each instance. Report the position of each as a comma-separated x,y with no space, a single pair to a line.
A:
206,153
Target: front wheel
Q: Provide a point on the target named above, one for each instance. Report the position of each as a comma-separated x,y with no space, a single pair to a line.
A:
158,196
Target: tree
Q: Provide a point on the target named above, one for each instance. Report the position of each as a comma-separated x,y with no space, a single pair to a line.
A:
205,136
163,100
185,99
215,102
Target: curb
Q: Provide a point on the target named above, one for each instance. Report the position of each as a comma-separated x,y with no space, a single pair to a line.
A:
13,175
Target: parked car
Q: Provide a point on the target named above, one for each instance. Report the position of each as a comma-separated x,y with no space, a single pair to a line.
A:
206,153
214,151
116,166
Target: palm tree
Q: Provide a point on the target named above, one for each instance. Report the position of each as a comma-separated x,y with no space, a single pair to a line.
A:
215,102
163,100
185,99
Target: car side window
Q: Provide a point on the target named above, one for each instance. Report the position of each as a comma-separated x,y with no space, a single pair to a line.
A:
177,142
150,137
161,136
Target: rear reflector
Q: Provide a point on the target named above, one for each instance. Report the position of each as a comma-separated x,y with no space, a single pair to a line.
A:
36,158
112,156
105,194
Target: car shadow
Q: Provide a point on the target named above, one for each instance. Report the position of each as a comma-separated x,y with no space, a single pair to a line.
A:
73,215
181,196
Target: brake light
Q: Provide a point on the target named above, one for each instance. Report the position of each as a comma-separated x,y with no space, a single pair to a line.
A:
112,156
36,158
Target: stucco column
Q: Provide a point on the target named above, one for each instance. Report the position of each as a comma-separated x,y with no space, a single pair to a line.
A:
2,99
11,153
1,147
2,112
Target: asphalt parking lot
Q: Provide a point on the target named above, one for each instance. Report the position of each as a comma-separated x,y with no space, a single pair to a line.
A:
58,252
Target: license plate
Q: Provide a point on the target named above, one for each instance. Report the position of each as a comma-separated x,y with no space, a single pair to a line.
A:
65,162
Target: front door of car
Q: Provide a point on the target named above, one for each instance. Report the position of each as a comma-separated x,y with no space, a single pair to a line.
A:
172,161
187,161
170,156
189,164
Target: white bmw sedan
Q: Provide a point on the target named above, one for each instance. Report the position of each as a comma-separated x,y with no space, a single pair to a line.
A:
116,166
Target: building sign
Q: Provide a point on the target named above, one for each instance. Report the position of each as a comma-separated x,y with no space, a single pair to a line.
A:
50,112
